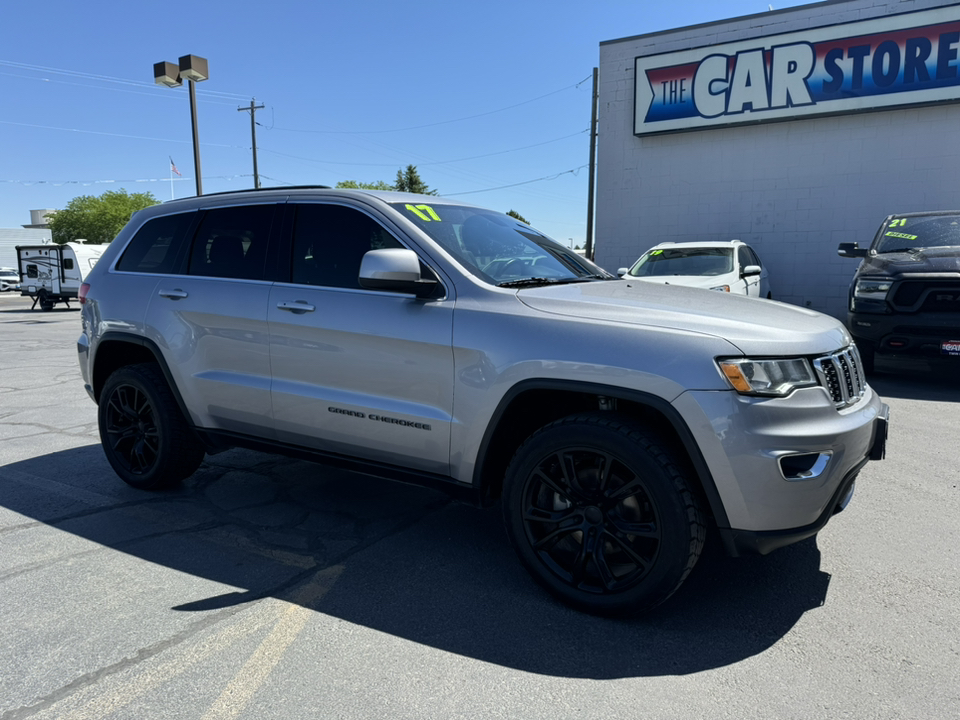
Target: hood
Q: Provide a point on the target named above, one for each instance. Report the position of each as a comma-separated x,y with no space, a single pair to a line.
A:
926,260
754,326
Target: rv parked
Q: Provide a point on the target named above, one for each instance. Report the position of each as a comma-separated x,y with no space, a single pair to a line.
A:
53,273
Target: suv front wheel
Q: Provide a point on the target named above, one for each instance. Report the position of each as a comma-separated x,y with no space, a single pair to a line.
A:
602,515
144,435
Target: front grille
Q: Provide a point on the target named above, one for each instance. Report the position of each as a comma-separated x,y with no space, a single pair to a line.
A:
842,375
941,295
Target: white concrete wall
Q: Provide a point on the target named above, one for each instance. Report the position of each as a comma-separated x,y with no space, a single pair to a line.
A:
11,237
793,190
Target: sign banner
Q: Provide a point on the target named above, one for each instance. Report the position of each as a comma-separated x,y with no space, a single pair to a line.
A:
905,59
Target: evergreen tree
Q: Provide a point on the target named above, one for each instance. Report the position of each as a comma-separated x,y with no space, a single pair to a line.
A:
409,181
518,216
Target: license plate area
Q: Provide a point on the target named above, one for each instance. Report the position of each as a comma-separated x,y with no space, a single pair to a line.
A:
950,347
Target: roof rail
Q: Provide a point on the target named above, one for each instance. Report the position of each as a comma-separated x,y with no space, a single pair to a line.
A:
262,189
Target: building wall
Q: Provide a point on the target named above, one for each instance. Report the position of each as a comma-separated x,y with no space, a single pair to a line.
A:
793,189
11,237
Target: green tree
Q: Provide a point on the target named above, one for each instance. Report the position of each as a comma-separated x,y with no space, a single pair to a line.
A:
518,216
97,219
354,185
409,181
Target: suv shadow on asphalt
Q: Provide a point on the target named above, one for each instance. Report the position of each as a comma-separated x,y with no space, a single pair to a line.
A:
409,562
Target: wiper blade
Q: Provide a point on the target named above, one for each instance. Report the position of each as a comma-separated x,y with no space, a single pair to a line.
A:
535,281
896,250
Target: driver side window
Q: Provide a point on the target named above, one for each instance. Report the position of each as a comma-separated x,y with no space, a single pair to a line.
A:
329,241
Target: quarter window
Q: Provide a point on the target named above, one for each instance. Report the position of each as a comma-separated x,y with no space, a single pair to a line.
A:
329,242
154,248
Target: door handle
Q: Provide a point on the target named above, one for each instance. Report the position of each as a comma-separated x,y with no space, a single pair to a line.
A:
299,307
177,294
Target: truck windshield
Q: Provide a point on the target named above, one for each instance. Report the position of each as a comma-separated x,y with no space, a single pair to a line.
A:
498,248
909,234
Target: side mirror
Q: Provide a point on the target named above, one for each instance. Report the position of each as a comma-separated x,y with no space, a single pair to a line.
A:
622,271
394,270
751,270
851,250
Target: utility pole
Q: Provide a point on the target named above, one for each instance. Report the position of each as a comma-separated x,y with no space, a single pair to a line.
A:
253,134
594,102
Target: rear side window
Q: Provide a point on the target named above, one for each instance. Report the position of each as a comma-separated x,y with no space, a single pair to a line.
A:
154,247
329,242
68,263
232,242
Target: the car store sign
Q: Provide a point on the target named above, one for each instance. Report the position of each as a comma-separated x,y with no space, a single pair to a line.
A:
905,59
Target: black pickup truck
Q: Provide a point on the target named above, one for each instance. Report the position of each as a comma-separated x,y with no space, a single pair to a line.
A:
905,295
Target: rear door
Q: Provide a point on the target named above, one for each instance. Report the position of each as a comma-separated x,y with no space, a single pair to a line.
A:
210,319
364,373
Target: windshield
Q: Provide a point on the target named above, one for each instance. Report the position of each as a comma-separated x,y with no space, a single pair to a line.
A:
916,233
498,248
684,261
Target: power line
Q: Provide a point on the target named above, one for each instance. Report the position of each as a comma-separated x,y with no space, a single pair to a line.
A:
574,171
59,183
110,134
429,125
147,91
106,78
423,164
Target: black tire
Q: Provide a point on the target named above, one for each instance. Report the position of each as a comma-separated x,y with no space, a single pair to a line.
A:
601,514
144,435
46,304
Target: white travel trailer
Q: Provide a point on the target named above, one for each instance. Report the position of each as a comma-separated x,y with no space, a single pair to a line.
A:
53,273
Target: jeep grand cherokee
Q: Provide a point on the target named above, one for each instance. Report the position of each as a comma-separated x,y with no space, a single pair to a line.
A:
426,340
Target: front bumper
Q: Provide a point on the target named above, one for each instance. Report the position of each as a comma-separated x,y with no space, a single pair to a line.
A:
755,450
745,542
922,334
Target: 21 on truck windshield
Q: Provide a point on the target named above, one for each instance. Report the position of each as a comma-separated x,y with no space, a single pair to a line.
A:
917,233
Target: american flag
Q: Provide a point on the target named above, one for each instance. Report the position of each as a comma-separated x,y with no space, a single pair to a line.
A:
173,168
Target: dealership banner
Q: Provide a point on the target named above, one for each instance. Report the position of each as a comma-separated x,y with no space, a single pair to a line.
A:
907,59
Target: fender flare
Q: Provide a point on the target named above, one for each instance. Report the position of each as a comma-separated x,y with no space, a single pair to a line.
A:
662,406
154,349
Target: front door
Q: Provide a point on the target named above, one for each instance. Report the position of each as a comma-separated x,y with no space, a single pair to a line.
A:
364,373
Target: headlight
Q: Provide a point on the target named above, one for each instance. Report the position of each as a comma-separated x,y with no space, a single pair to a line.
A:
872,288
776,378
870,295
721,288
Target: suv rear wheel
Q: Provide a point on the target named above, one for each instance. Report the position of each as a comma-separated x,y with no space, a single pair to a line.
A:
601,514
144,435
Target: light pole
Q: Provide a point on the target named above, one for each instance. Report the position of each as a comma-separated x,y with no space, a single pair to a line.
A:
194,69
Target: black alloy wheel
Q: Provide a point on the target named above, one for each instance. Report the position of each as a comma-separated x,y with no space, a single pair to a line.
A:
144,435
131,426
601,515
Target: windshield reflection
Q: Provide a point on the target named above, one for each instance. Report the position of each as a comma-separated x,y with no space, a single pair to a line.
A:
498,248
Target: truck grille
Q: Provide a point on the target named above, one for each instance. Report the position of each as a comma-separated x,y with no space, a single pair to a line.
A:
842,375
941,295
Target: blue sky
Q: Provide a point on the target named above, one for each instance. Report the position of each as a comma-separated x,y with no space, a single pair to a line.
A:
482,97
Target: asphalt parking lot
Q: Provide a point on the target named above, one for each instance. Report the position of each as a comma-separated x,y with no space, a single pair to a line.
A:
272,588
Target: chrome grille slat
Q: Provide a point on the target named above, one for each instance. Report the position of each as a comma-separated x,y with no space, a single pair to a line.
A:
841,373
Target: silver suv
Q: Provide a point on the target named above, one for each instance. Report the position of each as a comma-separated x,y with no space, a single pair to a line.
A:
424,340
